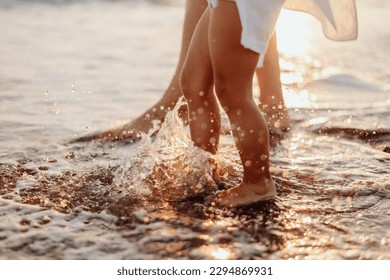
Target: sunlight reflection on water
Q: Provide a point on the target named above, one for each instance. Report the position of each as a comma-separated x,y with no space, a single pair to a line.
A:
142,200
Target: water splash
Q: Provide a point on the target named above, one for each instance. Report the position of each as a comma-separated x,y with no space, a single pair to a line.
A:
170,166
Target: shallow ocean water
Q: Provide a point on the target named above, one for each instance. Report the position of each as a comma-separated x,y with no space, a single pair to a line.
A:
69,68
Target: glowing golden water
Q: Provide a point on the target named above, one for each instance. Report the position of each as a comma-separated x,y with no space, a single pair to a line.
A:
152,199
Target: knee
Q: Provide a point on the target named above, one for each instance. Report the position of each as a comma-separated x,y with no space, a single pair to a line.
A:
194,86
233,93
230,99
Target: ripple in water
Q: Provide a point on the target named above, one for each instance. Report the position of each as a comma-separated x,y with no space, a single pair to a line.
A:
153,200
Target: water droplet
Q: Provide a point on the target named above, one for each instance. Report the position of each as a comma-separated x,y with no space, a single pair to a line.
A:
74,87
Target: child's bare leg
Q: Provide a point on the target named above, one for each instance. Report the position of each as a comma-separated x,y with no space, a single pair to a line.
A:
271,95
234,67
197,87
131,130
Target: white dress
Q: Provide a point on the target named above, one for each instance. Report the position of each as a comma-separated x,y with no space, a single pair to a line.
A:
258,19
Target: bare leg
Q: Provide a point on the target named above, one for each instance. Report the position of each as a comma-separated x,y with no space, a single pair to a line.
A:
197,86
271,95
193,11
269,81
235,95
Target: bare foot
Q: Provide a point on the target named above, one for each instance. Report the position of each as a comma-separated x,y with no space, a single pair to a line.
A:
129,131
277,118
247,193
148,122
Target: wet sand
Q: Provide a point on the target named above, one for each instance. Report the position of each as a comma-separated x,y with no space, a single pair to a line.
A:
70,69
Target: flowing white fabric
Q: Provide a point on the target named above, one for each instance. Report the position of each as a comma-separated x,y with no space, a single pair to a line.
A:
258,19
338,17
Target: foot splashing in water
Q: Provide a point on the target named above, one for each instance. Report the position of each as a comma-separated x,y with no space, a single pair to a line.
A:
153,199
170,167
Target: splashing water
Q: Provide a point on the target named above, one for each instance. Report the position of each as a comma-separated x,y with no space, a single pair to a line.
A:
170,167
151,199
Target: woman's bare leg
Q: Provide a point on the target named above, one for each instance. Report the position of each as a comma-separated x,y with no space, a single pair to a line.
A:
271,99
193,11
271,94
